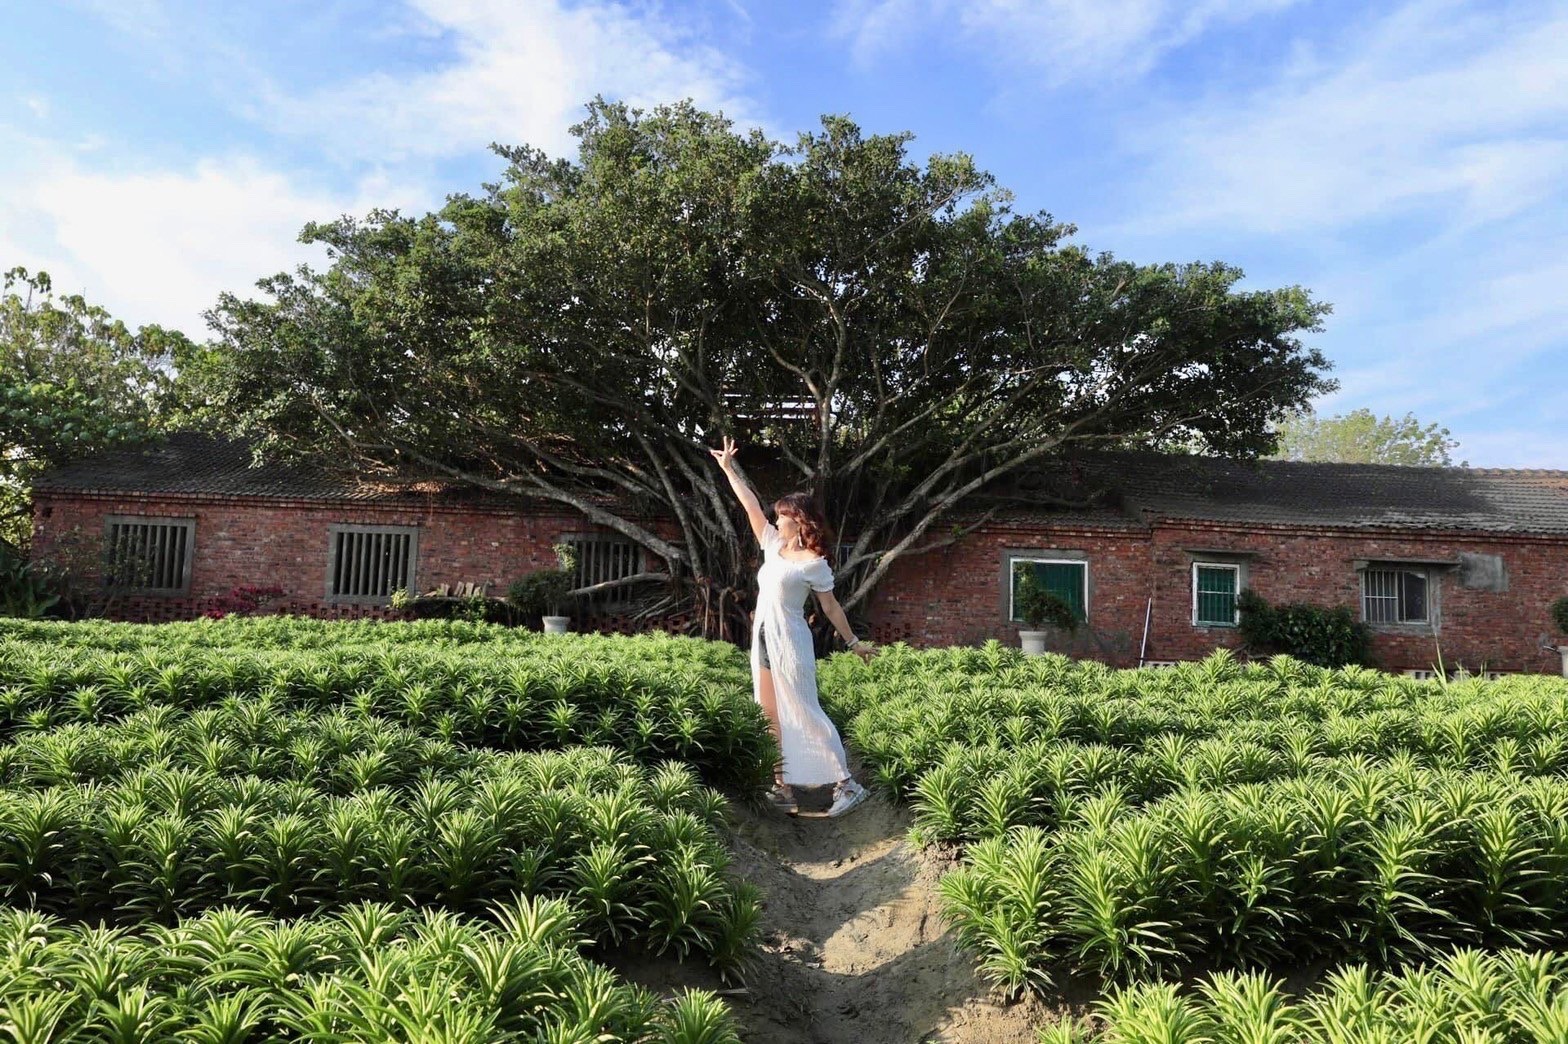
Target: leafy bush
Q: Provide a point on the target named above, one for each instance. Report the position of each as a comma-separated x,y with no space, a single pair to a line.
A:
1328,637
24,590
1560,615
1042,608
243,600
471,608
547,592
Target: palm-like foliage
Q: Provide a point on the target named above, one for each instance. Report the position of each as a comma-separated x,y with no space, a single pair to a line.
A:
1511,996
370,973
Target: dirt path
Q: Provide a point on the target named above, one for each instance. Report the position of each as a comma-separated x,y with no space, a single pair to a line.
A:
854,948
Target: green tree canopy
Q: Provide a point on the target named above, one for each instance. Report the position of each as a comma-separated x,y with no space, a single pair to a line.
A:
1361,437
890,334
73,380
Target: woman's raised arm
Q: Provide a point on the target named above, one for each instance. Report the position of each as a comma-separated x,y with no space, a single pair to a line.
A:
743,492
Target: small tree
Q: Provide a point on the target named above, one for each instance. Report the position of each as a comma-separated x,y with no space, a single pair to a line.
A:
1041,608
75,381
1560,614
1361,437
547,592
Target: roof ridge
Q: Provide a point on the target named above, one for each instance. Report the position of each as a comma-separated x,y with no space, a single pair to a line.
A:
1314,464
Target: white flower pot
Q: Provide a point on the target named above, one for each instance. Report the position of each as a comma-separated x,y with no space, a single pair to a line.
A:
1034,642
556,624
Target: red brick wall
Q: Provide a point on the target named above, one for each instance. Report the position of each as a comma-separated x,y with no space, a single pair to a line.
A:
284,542
953,596
957,595
1494,630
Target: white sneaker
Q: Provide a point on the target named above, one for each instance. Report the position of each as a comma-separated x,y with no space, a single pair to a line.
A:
846,796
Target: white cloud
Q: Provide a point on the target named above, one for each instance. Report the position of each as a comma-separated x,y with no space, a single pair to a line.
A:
157,245
154,241
1057,41
38,105
521,74
1433,108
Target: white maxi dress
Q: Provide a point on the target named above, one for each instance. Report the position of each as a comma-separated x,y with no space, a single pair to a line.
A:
813,751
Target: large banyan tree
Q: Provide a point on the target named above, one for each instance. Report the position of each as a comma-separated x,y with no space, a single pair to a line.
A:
891,334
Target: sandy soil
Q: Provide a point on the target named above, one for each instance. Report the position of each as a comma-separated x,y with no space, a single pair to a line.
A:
854,947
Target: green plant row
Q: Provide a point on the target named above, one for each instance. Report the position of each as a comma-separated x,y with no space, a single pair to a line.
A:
981,792
909,710
302,633
371,973
337,751
1510,997
478,695
1387,864
634,849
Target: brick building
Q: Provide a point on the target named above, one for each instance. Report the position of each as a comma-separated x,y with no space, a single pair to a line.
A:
1151,550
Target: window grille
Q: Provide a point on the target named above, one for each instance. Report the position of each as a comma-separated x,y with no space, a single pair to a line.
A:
368,563
601,559
1214,594
1394,596
149,555
1067,580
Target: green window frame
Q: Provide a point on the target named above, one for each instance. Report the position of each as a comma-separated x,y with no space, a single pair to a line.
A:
1068,579
1215,586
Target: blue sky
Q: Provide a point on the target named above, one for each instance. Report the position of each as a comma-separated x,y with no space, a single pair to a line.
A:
1407,161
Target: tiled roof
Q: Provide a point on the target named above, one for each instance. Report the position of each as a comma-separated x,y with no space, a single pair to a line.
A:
1274,492
189,462
1099,489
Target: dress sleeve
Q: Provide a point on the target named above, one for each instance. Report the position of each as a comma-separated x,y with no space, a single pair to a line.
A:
820,576
770,536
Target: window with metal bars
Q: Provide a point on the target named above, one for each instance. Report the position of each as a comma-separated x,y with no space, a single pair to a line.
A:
145,555
600,559
1067,580
1394,596
1214,589
368,563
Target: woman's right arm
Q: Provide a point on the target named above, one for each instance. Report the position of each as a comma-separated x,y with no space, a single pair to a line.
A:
743,492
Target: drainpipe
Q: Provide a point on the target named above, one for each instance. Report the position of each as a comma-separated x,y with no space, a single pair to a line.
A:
1148,612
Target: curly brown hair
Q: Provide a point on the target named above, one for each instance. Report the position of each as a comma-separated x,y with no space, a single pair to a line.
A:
815,533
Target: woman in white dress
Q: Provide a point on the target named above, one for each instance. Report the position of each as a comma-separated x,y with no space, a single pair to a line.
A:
783,663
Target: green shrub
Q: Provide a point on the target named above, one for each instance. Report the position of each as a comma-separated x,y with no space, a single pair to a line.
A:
1560,615
24,591
1328,637
547,592
1041,608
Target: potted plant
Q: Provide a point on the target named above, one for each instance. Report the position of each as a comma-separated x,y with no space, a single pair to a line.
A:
547,592
1042,613
1560,619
